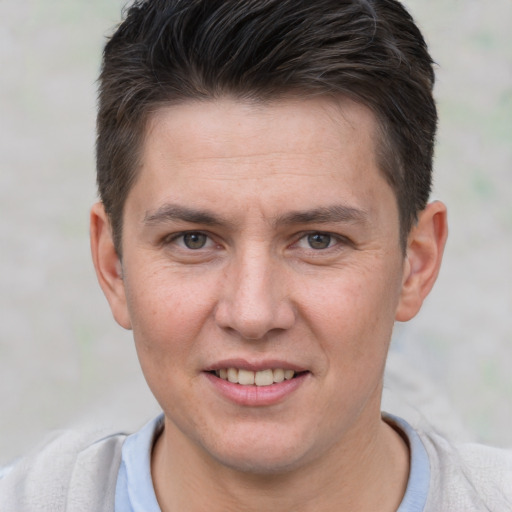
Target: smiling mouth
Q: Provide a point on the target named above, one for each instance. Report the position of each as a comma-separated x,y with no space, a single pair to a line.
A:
259,378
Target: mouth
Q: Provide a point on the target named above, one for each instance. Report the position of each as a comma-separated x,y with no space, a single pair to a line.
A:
260,378
257,384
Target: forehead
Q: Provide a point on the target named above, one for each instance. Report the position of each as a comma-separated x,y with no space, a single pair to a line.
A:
223,122
288,154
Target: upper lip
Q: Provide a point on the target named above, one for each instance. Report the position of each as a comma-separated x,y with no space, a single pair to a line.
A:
255,366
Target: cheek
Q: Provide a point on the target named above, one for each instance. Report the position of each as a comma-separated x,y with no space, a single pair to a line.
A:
167,322
353,312
167,315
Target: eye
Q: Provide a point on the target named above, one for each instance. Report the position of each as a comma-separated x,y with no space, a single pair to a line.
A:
189,240
194,240
191,247
319,241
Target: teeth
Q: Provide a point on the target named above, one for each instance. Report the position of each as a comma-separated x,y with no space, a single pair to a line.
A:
288,374
245,377
250,378
233,375
279,375
264,378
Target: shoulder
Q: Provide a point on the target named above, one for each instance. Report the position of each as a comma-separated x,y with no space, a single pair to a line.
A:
71,472
467,476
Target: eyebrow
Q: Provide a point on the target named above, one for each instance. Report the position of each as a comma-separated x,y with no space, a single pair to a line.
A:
325,215
173,212
321,215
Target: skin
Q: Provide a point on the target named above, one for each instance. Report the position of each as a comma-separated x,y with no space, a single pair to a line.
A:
258,184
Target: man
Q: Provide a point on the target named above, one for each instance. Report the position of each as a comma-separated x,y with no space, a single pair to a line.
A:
264,168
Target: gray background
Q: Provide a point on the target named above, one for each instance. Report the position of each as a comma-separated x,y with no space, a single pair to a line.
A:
64,362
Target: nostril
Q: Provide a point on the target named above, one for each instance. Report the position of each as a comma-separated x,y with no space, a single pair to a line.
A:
255,320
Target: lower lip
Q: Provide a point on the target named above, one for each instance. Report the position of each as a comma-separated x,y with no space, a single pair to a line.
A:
256,396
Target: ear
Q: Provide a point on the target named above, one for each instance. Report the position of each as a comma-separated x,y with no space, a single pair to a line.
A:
425,247
108,265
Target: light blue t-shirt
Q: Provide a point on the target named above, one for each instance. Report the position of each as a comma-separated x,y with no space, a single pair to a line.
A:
134,489
135,492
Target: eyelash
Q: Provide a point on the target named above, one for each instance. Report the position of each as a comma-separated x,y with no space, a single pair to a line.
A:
333,240
175,237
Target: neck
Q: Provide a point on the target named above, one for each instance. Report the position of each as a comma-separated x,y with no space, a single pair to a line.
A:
358,475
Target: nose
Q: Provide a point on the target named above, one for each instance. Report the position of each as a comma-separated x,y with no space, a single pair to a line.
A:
254,297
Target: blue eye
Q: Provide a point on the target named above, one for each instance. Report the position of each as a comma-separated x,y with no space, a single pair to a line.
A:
319,241
194,240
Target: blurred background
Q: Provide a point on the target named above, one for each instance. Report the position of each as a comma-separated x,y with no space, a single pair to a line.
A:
63,360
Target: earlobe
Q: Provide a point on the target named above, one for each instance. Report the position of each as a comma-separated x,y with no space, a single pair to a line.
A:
425,249
108,265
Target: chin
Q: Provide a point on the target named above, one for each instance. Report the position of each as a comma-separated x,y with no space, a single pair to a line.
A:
261,464
261,454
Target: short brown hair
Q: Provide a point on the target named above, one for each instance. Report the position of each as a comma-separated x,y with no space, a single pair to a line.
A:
169,51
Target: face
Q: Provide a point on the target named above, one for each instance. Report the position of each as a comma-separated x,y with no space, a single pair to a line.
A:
262,273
